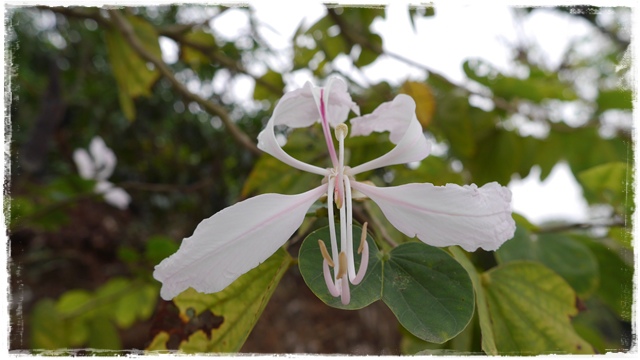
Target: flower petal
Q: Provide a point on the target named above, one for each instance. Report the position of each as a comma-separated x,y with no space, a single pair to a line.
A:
114,196
84,163
467,216
233,241
296,108
301,107
267,142
337,99
104,158
399,118
392,116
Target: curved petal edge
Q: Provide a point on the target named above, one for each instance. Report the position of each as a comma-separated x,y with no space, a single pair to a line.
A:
467,216
233,241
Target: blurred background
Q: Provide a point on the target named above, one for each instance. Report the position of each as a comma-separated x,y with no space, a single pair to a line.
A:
129,126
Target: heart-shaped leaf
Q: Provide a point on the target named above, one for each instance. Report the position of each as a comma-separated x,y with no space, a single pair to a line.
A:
429,292
310,263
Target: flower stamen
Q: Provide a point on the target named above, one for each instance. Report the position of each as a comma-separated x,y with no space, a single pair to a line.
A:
363,238
325,253
342,265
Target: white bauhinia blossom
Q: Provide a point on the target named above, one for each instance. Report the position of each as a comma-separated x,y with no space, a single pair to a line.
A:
240,237
98,165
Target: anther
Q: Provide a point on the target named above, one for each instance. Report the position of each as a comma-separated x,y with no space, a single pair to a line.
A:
342,271
325,253
363,238
341,131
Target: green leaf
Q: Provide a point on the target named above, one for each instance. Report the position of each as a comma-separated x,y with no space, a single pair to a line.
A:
196,54
549,152
73,302
497,158
432,169
570,259
584,148
159,247
302,56
270,86
310,264
602,328
45,323
484,317
424,11
609,183
270,175
107,295
132,75
103,334
614,99
158,343
138,304
368,56
240,305
452,119
537,87
623,236
616,287
530,309
428,291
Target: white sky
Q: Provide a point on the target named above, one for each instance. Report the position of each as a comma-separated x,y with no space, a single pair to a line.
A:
445,42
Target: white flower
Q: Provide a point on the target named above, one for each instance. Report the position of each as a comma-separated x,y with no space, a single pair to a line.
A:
240,237
98,165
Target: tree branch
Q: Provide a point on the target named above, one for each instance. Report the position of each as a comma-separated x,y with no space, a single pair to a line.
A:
214,109
218,57
580,226
353,37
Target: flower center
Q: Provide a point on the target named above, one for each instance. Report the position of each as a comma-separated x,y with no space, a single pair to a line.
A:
339,191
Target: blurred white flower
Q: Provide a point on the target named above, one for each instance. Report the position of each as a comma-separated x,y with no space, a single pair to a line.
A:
98,165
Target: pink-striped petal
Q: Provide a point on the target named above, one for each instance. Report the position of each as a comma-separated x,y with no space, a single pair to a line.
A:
399,118
301,108
267,142
233,241
467,216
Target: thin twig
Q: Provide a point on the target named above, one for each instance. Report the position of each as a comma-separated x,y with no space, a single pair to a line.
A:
80,13
130,185
353,37
580,226
218,57
214,109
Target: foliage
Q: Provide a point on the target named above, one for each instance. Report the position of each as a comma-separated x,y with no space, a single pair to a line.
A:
186,149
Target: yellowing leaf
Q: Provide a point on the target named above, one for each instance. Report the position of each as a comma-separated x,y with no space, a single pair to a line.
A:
530,308
196,53
425,102
240,306
132,75
488,339
158,344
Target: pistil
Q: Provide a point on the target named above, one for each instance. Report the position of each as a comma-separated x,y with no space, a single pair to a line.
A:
326,130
